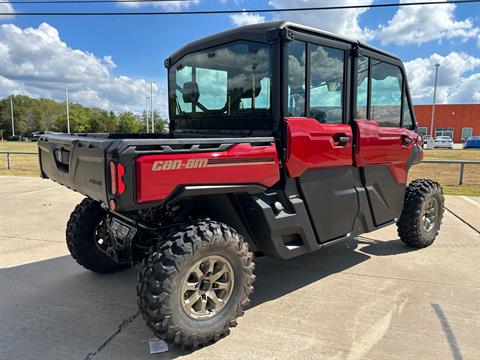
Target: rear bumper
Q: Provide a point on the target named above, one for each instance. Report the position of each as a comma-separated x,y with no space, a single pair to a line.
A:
446,146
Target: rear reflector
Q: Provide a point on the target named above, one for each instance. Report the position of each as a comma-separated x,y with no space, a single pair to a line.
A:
113,205
113,178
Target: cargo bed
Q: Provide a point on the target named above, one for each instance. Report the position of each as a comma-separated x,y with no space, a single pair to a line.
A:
81,162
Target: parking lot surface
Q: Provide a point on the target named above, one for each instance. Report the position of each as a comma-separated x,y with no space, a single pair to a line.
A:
381,300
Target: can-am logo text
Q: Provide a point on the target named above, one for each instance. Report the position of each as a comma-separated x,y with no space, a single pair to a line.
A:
162,165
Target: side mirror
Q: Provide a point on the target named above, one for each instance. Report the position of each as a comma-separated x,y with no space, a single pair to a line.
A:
190,92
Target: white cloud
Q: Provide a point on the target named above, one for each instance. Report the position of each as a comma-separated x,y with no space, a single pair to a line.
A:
36,62
454,82
164,5
344,22
422,23
469,88
246,19
6,8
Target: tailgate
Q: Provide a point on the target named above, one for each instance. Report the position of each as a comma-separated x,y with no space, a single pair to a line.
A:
77,162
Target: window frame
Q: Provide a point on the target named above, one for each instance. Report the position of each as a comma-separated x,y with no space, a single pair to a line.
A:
443,130
308,78
405,91
325,42
402,93
272,121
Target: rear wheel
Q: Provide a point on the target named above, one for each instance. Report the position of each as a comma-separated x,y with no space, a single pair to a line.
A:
196,283
422,213
88,238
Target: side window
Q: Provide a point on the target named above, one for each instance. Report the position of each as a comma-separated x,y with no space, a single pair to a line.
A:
422,131
386,94
362,88
326,84
296,78
407,116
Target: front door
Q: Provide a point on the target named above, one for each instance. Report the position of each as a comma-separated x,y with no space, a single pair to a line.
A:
384,142
319,137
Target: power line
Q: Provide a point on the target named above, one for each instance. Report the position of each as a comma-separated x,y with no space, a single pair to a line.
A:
206,12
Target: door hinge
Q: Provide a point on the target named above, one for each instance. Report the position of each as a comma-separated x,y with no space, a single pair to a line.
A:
357,51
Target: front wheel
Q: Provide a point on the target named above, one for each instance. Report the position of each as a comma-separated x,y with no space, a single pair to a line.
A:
422,213
195,284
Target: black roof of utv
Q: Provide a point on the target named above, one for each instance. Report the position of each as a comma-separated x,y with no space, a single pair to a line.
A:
258,32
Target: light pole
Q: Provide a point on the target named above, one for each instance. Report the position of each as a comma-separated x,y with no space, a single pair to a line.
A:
151,106
68,112
146,110
434,98
11,113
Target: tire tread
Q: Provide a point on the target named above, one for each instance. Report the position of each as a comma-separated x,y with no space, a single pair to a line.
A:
409,225
167,258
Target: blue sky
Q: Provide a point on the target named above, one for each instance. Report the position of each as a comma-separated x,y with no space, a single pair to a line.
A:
110,60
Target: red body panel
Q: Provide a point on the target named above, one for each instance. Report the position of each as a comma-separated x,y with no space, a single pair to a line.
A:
158,175
384,145
311,145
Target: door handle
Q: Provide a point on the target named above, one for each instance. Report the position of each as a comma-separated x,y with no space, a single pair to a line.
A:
344,139
406,141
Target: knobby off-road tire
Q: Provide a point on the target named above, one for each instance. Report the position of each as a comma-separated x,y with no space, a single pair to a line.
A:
422,213
181,260
82,235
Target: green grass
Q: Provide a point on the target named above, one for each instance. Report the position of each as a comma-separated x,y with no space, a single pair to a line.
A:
446,174
21,165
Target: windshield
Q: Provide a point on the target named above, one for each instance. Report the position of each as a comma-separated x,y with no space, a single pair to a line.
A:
223,87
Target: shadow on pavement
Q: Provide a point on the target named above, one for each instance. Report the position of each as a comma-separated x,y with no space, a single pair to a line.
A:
384,247
56,309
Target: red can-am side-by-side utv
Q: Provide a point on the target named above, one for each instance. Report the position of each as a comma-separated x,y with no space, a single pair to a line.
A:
283,139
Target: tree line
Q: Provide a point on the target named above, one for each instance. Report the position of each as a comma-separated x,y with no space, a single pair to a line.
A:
32,115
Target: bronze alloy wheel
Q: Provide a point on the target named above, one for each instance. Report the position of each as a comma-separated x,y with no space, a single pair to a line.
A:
195,283
207,287
429,217
422,213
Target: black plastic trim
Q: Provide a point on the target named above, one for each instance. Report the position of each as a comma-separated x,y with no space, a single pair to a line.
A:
188,191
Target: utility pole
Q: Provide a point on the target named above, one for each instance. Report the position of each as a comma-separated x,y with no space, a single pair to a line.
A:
11,113
434,98
146,110
151,106
68,112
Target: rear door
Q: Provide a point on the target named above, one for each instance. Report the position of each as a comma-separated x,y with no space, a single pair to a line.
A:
385,138
319,137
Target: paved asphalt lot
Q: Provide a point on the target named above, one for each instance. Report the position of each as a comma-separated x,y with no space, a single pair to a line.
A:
379,301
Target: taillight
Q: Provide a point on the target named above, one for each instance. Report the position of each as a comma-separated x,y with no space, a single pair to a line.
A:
120,183
113,178
116,178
